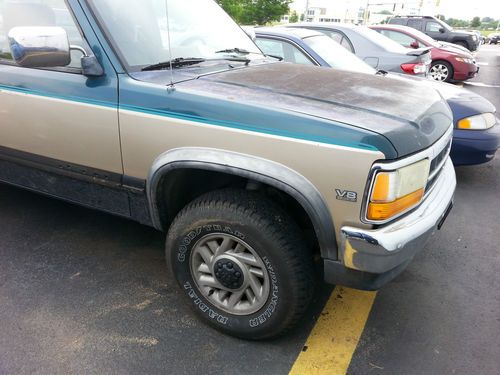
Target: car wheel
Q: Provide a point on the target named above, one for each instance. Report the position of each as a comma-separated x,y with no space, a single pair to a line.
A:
441,71
242,263
462,44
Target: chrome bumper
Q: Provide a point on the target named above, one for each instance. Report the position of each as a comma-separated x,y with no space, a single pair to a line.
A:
381,250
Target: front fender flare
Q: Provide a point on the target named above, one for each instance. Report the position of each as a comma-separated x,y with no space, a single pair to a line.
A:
254,168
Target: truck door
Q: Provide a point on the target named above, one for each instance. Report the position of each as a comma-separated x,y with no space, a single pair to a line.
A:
57,119
433,29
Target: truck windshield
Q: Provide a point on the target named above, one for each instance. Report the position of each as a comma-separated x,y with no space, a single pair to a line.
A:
141,32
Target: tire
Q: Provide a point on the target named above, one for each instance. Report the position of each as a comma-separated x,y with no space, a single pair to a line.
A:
254,248
441,71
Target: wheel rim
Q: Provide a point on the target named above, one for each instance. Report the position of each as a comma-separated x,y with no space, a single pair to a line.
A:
439,72
230,274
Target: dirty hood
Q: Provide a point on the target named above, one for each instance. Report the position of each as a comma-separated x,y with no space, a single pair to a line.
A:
410,115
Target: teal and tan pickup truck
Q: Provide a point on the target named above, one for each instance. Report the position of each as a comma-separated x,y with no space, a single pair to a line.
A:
265,175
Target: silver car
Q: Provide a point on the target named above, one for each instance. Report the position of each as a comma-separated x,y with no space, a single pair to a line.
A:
377,50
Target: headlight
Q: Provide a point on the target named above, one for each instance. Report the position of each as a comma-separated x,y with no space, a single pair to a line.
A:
465,60
479,122
398,191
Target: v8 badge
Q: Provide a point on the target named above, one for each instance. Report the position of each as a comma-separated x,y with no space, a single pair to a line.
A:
346,195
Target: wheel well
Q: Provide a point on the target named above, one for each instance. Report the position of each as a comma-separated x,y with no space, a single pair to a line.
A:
462,42
180,186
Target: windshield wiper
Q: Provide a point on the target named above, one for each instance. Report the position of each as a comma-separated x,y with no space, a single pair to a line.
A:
241,51
174,63
382,72
185,61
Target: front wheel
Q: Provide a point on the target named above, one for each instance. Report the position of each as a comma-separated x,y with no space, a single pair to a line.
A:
242,263
441,71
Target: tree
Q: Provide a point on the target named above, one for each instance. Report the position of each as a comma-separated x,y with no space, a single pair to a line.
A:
259,12
476,22
294,17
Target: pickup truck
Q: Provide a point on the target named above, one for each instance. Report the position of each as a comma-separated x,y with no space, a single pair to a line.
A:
439,30
263,175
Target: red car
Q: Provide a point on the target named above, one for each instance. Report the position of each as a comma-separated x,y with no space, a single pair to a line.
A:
449,62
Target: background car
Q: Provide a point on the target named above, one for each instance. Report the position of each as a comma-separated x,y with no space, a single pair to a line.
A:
438,30
476,135
449,62
375,49
494,38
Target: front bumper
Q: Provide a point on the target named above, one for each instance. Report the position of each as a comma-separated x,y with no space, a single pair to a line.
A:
472,147
464,71
370,258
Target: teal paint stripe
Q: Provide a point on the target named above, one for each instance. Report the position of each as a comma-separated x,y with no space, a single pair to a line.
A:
77,99
180,116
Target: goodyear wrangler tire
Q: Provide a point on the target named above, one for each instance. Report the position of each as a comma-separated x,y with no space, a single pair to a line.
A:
242,263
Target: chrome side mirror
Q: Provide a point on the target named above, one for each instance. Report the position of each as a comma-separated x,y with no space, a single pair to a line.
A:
48,47
39,47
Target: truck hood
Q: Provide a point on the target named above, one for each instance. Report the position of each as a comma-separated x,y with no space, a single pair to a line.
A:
410,115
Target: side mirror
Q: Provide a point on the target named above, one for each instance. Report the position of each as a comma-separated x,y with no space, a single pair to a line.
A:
442,30
48,47
39,47
414,44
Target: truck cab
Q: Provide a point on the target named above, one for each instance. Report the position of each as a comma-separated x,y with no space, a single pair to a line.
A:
439,30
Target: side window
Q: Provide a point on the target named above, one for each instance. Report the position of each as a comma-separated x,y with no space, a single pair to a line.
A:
271,47
346,44
403,39
415,23
339,38
38,13
285,50
433,27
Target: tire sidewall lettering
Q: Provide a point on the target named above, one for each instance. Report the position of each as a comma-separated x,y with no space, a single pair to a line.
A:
203,306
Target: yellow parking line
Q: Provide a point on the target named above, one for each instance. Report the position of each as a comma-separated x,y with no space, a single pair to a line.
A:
334,338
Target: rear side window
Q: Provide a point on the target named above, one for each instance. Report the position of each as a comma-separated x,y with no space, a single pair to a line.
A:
38,13
285,50
415,23
398,21
403,39
339,38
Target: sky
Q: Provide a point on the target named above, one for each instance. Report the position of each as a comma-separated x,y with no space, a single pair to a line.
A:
464,9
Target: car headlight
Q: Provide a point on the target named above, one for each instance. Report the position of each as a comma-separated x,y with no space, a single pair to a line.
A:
398,191
478,122
465,60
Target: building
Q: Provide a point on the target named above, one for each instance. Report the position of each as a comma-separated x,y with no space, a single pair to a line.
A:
361,11
329,10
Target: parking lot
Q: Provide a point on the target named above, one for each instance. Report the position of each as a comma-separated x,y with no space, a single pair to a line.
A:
83,292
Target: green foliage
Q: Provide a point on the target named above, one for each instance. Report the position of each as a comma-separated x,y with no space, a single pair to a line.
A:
294,17
260,12
476,22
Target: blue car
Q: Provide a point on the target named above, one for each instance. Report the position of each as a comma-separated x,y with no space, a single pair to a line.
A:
476,136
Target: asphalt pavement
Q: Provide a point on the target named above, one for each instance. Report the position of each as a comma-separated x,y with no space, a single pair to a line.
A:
82,292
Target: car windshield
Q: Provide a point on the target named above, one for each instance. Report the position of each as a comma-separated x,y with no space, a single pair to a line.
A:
380,40
139,31
337,56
